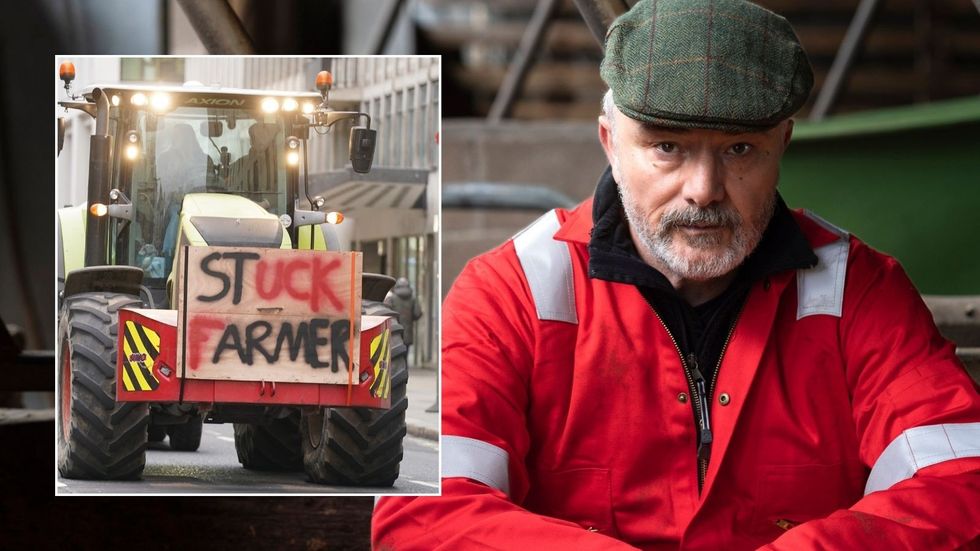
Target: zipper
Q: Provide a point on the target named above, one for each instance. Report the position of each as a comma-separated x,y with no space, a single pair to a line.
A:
705,438
696,397
703,459
700,393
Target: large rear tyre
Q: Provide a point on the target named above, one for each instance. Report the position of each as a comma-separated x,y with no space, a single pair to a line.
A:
361,446
186,437
270,447
98,438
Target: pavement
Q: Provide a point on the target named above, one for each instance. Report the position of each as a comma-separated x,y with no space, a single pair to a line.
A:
422,393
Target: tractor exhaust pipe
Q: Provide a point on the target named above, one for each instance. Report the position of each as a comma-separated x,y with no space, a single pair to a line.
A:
99,172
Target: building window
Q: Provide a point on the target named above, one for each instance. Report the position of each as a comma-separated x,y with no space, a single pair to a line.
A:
424,132
152,69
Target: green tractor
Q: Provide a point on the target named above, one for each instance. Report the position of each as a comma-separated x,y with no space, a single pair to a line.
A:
173,167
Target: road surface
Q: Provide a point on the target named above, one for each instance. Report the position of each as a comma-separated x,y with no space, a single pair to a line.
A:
214,468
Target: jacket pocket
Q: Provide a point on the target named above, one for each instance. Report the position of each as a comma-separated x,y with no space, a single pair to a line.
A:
789,495
582,496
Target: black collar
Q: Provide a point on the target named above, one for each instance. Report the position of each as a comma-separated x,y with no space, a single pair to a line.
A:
613,256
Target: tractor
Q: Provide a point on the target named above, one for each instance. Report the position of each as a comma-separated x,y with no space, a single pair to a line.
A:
182,175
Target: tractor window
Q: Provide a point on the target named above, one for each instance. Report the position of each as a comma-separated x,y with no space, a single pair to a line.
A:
192,150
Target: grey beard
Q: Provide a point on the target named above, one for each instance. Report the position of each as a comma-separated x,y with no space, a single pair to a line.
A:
659,241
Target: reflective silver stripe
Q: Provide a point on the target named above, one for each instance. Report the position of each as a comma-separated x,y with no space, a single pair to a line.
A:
920,447
475,459
820,290
547,265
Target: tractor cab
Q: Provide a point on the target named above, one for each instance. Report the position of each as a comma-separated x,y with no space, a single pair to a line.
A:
173,165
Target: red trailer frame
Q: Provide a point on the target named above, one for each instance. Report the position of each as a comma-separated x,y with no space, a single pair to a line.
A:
150,375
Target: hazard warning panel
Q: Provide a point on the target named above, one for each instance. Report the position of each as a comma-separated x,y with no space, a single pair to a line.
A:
141,347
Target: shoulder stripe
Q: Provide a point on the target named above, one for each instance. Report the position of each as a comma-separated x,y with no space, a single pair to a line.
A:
826,224
476,460
921,447
820,290
547,266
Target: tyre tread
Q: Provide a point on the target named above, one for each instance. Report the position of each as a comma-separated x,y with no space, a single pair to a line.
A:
106,440
361,446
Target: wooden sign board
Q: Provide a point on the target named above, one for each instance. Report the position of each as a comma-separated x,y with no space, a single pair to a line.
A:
256,314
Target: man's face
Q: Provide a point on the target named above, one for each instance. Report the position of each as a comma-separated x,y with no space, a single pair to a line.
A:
697,201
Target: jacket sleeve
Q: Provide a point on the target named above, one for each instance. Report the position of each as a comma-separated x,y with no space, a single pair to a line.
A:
917,414
488,338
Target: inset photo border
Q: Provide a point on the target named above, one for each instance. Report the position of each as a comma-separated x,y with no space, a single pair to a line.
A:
247,253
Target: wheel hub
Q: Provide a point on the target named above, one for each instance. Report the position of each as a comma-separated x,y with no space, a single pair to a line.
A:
65,390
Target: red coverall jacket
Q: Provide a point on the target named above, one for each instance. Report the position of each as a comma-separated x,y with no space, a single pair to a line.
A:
564,425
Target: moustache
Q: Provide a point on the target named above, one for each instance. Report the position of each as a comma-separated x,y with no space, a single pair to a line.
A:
711,216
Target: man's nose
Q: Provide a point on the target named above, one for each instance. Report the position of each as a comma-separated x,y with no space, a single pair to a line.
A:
705,182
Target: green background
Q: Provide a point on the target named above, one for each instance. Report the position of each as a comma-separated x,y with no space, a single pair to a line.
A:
906,181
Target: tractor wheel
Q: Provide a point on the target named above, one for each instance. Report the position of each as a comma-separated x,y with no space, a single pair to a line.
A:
270,447
155,433
186,437
99,438
361,446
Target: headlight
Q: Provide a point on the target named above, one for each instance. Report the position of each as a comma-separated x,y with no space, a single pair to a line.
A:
138,99
160,102
308,107
270,105
132,149
289,104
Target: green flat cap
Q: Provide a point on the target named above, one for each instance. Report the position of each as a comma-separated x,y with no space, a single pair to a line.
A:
720,64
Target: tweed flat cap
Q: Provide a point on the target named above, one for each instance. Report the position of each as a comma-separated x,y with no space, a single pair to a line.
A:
720,64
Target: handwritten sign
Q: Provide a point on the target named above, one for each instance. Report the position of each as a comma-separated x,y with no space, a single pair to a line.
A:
253,314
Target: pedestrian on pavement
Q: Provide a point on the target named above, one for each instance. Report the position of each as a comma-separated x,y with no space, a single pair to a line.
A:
683,362
402,300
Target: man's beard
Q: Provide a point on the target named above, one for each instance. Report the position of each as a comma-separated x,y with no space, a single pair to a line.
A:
660,241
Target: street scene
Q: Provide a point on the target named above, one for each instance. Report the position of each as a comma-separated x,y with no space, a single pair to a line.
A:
246,275
214,467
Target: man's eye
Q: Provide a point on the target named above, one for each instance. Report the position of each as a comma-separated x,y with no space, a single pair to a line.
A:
666,147
740,149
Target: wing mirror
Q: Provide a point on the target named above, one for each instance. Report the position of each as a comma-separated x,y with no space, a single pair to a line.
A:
362,142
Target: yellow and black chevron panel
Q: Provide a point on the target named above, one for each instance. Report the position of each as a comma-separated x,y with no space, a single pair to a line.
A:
141,346
381,362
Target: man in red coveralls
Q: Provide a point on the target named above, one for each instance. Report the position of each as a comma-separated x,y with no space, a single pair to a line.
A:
682,362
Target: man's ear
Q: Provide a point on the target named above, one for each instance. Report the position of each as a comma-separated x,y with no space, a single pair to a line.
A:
606,139
787,133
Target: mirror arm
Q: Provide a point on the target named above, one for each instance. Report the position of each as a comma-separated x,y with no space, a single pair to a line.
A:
330,118
85,106
308,217
121,211
119,197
